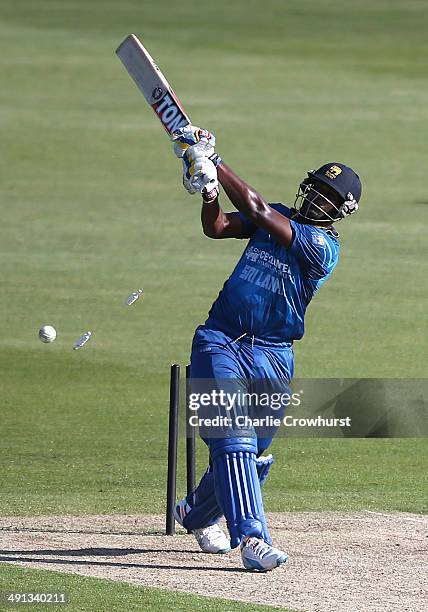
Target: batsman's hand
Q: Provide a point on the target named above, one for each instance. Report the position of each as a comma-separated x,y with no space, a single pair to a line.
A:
200,176
190,136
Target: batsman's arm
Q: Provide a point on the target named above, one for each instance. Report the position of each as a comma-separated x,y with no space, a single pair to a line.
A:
218,224
248,201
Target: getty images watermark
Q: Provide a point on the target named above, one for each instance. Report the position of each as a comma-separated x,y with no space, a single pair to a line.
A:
229,400
241,409
350,408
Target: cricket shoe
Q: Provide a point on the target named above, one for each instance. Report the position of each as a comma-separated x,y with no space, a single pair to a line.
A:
259,556
210,539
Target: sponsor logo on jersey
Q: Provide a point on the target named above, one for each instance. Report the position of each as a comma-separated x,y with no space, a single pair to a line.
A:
267,260
170,114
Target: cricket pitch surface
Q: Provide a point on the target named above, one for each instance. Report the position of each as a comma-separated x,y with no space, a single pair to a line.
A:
365,561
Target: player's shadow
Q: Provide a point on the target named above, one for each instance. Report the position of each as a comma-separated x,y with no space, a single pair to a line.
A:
95,552
106,551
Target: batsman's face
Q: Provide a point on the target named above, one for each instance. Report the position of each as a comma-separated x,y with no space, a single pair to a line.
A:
324,196
319,202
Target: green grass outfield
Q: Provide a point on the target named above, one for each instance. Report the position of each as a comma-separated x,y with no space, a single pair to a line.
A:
92,209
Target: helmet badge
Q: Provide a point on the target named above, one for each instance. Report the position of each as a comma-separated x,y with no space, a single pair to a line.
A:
333,172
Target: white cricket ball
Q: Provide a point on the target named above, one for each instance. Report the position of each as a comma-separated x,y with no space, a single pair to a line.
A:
47,333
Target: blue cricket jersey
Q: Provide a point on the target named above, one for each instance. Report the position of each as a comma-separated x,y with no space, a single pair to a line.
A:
267,294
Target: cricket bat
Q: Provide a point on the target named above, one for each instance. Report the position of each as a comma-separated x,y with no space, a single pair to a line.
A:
152,83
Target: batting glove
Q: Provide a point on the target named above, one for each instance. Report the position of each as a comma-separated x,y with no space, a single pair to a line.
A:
349,206
200,175
190,135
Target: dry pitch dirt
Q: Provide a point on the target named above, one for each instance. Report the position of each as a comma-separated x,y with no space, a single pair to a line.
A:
360,562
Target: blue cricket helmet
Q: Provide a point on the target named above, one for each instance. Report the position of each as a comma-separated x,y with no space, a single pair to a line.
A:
315,206
341,178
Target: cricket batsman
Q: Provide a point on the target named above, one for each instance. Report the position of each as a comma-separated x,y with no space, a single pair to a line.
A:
251,327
